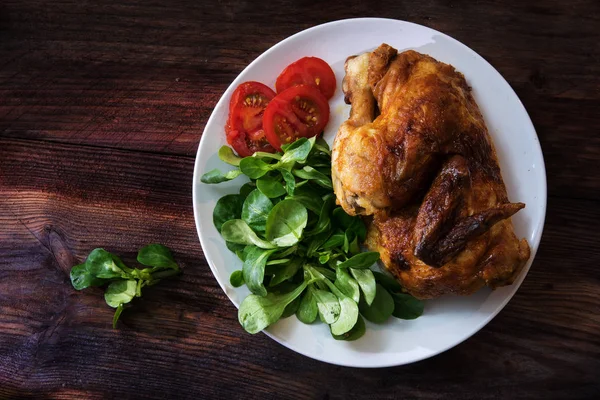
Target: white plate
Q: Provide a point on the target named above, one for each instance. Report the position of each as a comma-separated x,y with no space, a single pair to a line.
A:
449,320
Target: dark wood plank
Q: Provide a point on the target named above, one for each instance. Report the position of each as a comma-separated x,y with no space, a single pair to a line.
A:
182,337
102,105
146,75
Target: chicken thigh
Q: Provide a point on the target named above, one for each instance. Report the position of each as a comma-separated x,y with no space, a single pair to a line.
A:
416,160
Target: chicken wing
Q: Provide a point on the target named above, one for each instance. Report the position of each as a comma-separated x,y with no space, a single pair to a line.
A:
416,160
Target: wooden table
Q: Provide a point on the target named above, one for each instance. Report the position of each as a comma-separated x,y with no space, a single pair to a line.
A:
102,105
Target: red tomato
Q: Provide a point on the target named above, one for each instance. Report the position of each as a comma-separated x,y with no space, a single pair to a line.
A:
244,127
300,111
308,71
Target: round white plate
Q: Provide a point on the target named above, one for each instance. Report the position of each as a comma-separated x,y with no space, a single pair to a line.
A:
449,320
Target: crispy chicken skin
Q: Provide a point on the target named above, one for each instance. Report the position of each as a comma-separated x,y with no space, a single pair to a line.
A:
416,160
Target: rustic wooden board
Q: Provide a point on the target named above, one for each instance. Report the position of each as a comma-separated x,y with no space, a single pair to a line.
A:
182,337
102,105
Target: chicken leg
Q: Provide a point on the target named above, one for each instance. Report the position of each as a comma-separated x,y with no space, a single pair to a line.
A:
425,175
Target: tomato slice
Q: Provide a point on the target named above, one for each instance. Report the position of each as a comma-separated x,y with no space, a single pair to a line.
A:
244,129
300,111
308,71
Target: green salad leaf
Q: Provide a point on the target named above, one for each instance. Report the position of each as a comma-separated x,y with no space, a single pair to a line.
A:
238,231
227,208
237,278
256,209
357,331
380,309
347,284
258,312
407,307
361,260
286,222
300,253
254,270
366,281
216,176
227,155
254,168
272,188
308,310
327,304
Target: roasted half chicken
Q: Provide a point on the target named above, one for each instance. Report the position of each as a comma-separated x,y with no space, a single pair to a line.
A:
416,160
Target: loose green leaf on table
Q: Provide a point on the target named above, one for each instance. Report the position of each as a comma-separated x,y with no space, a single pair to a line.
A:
117,315
102,264
81,278
119,263
157,255
99,267
120,292
124,283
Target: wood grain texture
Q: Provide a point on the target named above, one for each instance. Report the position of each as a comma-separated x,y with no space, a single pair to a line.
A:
146,75
102,105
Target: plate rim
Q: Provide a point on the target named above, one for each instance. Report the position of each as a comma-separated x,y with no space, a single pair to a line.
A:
534,245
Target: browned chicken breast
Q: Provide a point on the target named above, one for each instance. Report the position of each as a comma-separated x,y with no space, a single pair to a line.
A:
416,160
